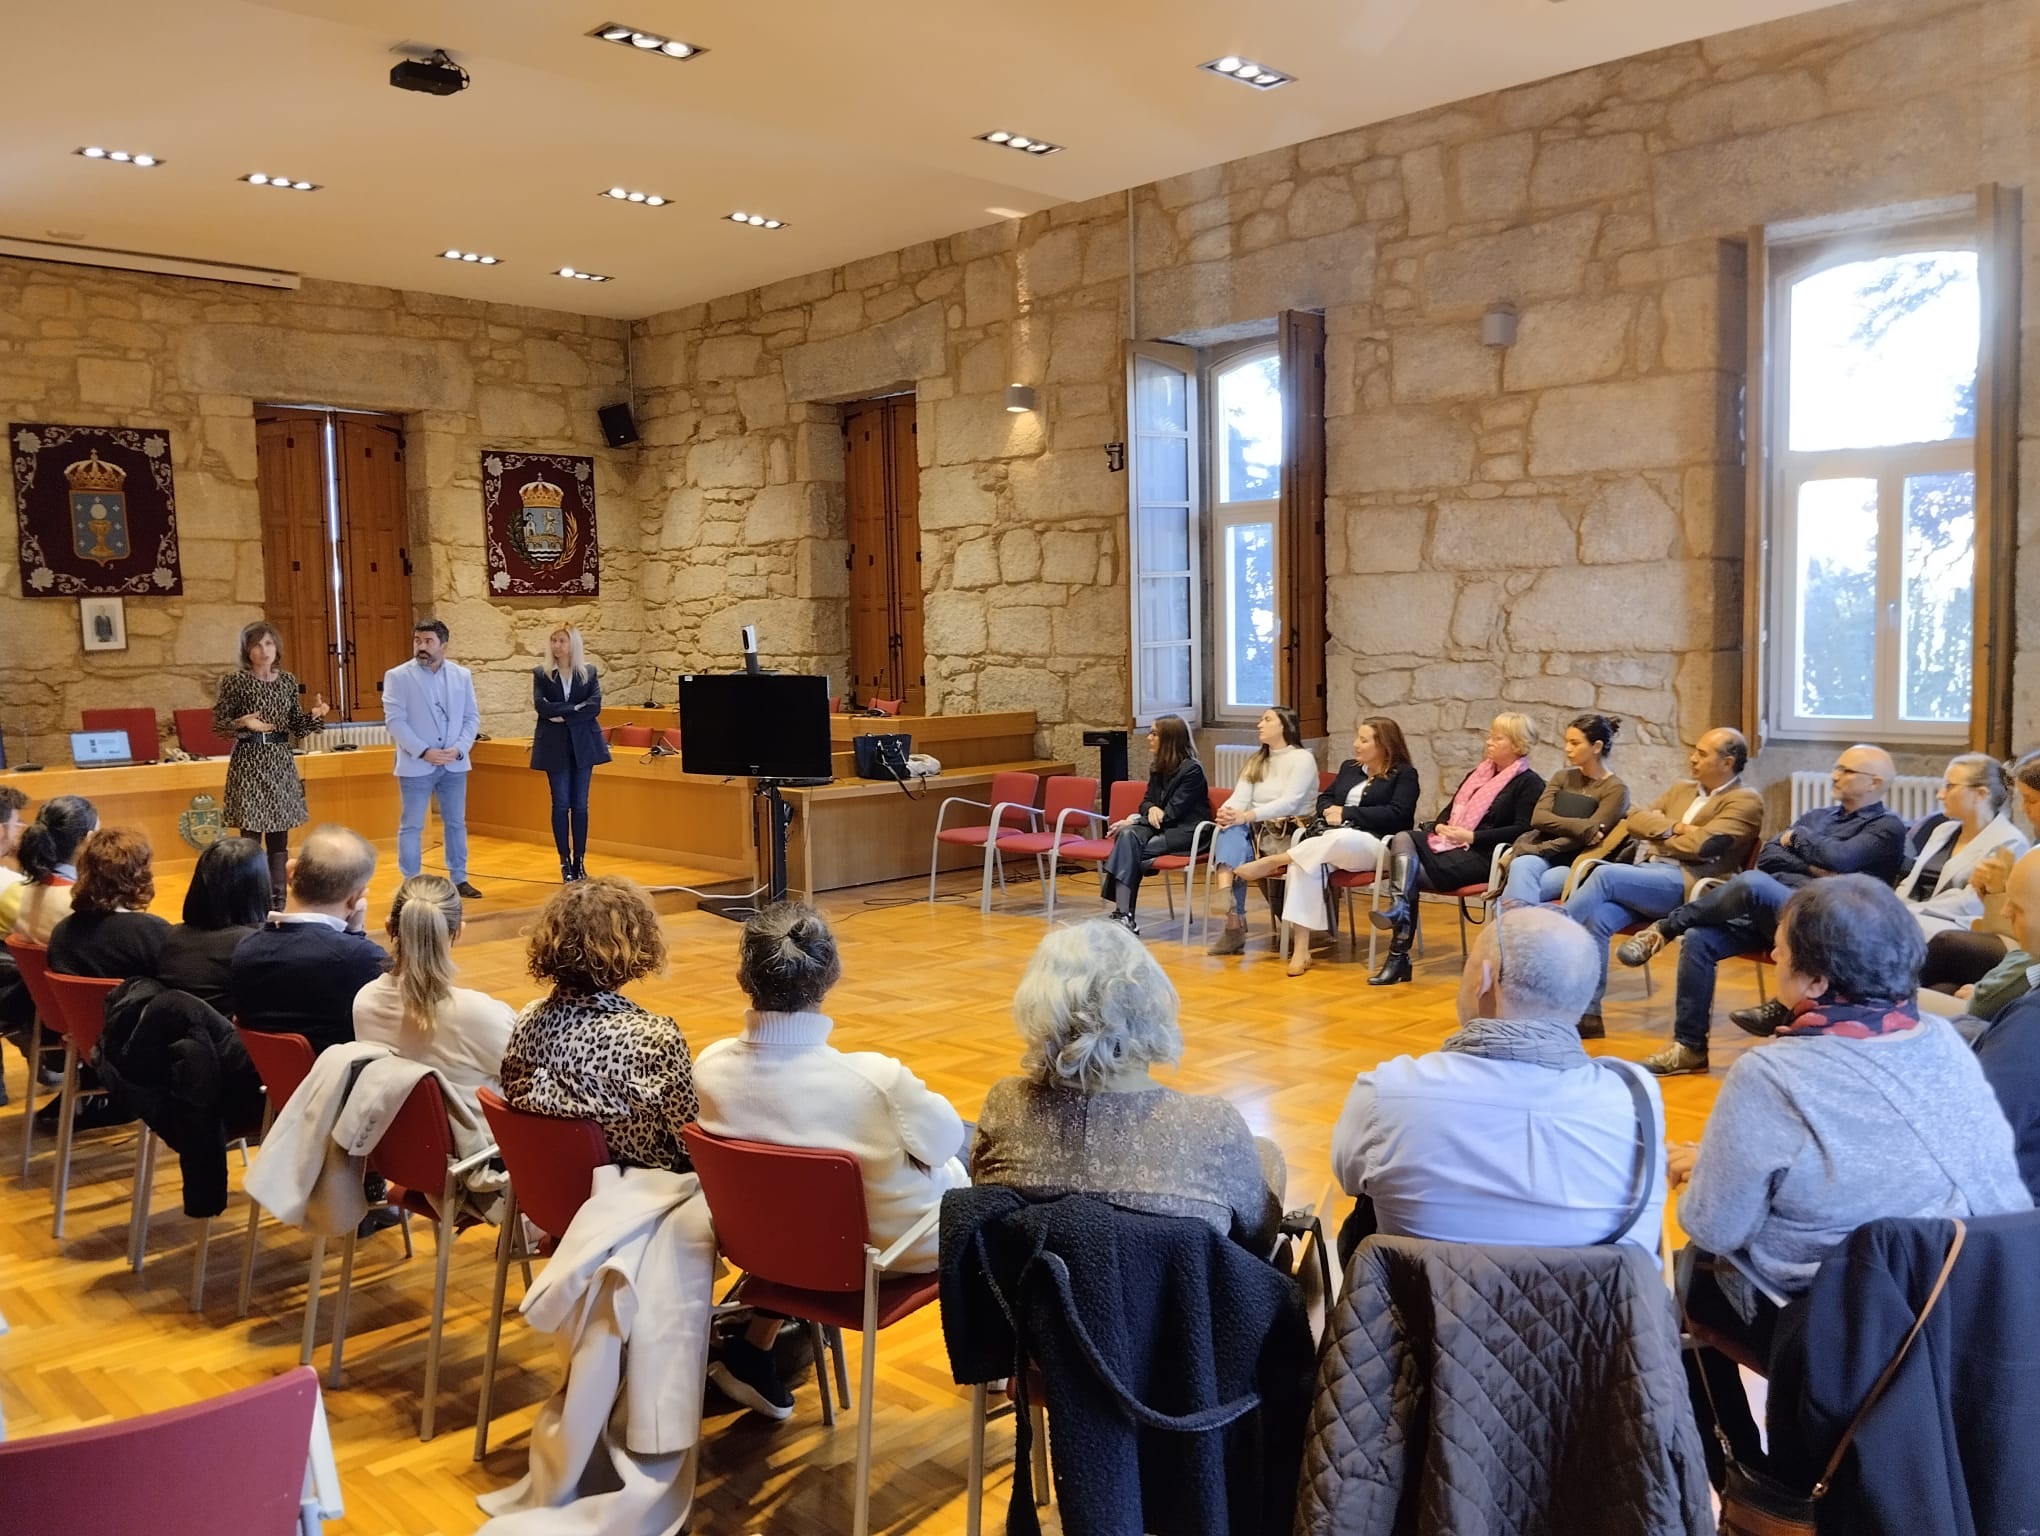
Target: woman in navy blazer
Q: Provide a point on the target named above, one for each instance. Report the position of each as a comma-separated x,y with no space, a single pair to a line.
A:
567,743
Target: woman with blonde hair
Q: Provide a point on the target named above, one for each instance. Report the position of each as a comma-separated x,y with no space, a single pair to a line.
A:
417,1010
1491,809
567,744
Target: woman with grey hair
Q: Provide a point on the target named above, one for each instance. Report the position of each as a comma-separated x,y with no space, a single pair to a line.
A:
1085,1117
781,1081
1859,1108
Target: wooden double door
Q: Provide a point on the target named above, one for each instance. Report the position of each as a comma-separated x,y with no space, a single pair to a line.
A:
882,468
335,556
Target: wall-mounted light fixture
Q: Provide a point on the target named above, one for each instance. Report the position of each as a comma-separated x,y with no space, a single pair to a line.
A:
1498,326
1019,397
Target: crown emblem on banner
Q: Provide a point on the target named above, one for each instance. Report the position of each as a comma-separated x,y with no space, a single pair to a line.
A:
541,493
95,474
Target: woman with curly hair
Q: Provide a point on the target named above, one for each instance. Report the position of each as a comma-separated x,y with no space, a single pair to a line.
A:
586,1052
111,932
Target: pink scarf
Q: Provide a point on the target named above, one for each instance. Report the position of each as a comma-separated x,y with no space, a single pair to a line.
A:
1477,792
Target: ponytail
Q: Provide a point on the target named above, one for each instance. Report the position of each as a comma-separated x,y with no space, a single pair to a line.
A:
55,836
423,920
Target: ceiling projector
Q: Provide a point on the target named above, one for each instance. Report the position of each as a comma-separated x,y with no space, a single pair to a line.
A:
436,76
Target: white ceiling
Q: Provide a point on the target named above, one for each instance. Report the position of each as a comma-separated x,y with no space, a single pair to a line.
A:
854,123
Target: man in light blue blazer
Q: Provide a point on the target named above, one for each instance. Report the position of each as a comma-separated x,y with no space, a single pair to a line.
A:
429,707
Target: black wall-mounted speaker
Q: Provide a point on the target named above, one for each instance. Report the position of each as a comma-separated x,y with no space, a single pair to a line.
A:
619,427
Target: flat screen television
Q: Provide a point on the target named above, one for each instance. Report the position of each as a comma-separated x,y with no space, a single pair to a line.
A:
757,725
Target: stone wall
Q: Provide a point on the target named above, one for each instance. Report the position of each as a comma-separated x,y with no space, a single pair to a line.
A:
1552,527
88,347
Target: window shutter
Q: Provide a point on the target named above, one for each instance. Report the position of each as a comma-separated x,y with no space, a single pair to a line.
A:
1300,536
1163,533
1756,486
1997,470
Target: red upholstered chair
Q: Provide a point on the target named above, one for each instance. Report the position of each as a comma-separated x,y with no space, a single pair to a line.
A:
1199,857
552,1165
145,743
283,1062
885,706
1009,812
1064,795
1488,893
631,736
1121,801
195,734
232,1463
416,1155
32,961
670,738
792,1219
81,1016
1325,780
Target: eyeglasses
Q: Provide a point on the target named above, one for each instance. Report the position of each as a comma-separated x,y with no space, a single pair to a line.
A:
1845,770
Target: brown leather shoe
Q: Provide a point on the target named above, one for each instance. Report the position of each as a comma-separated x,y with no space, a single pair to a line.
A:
1591,1027
1231,942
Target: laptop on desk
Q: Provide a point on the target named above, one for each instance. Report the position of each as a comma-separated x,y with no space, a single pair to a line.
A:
100,749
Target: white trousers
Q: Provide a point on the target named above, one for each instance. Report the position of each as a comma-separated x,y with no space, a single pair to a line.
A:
1303,893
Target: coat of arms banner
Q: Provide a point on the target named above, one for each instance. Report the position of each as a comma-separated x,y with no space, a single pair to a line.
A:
539,512
96,511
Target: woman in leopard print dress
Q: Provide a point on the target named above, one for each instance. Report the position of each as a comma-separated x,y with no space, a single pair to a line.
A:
587,1053
258,709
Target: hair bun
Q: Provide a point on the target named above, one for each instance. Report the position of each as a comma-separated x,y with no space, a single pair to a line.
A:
1614,725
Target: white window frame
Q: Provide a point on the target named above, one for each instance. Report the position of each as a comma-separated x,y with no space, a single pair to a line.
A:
1889,467
1220,519
1183,360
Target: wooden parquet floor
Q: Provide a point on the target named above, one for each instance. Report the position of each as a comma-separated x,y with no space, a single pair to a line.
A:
92,1342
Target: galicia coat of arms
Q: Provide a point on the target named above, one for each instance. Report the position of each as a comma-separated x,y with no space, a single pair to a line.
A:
99,530
203,824
95,511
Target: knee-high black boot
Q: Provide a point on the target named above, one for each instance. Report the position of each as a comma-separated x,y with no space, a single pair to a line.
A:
1402,923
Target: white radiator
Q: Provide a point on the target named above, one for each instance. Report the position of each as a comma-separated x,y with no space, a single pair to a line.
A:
1227,759
1911,795
354,733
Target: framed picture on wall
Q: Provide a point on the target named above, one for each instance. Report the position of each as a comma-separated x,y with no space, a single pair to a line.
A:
102,622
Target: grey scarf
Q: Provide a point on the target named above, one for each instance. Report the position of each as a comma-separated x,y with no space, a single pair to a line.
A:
1541,1042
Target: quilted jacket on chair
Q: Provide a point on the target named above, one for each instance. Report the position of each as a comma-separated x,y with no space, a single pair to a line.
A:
1468,1391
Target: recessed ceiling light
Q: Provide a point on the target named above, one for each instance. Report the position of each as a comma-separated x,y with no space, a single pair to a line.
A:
258,179
125,157
1260,76
1020,141
628,195
757,221
586,277
647,42
476,257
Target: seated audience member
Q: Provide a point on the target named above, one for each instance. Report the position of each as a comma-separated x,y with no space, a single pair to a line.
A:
298,974
1962,956
1581,804
780,1081
16,1009
1373,798
1278,782
1860,1108
1510,1133
1973,824
1701,828
2009,1047
110,931
12,803
1855,835
585,1051
228,899
1177,800
1490,809
31,907
415,1008
1086,1118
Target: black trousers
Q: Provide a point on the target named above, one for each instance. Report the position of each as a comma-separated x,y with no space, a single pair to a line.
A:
1762,1335
1132,851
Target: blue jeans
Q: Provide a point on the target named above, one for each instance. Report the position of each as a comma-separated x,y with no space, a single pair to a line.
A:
1234,845
450,790
1533,880
1729,920
569,788
1616,895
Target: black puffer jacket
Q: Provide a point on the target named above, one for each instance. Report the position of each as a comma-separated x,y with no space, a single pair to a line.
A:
178,1064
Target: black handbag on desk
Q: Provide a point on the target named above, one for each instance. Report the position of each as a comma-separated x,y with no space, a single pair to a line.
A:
882,755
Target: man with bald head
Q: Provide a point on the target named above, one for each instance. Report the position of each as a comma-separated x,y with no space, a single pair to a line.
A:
1855,835
2009,1047
298,975
1701,828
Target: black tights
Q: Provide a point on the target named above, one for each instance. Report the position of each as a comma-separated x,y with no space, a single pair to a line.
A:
277,846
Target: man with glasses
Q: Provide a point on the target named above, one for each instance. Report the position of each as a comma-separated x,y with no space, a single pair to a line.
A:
1854,835
430,709
1701,828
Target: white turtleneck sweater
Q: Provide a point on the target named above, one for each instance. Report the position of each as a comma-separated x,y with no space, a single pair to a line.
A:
781,1081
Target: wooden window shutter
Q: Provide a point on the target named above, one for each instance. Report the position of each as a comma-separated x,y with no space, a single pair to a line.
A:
297,588
375,525
1300,536
1756,487
1997,469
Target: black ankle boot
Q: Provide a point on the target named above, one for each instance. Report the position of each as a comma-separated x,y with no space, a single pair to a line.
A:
1396,968
566,872
580,869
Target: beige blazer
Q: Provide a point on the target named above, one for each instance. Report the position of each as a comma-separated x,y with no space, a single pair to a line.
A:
1735,810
